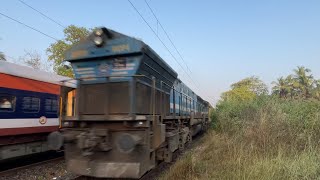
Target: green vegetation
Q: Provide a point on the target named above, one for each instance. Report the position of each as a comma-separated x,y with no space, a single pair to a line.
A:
56,51
260,136
33,59
246,89
301,84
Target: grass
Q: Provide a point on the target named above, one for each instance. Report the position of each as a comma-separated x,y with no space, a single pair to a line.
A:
262,139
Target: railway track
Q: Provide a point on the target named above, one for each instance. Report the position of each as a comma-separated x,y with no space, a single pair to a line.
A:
11,167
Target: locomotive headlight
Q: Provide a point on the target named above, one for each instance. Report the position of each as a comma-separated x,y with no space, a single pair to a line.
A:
127,142
98,32
98,41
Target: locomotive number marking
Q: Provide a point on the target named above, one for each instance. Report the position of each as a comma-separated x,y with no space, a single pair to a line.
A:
120,48
79,53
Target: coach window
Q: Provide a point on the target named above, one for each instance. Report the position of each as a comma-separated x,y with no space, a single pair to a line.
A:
51,105
30,104
7,103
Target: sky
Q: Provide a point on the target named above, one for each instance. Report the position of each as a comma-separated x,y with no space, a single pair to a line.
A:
220,41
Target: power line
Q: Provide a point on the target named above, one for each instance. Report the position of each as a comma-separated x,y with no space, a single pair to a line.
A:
158,21
28,26
156,34
167,35
159,38
56,22
165,46
163,43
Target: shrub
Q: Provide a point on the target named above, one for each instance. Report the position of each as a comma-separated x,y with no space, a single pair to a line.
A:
264,138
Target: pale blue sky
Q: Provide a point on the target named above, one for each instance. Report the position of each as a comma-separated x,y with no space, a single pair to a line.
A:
221,41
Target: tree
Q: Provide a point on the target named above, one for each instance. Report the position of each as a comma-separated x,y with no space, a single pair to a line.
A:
281,87
298,85
292,86
305,81
2,57
316,90
242,93
33,59
56,51
286,87
254,84
246,89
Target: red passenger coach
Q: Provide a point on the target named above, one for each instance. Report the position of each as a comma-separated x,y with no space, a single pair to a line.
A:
29,106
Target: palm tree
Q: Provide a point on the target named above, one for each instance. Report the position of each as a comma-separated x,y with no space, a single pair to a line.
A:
316,89
292,86
280,87
2,56
304,79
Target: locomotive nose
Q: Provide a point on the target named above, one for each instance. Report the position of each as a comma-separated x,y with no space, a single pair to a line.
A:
55,140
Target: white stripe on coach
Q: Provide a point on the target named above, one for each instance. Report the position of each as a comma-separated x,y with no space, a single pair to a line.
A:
20,123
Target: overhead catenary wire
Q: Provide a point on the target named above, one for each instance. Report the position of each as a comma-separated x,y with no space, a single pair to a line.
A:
174,46
51,19
167,35
165,45
30,27
156,34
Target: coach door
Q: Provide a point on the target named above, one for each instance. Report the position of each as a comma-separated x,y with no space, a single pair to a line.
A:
70,106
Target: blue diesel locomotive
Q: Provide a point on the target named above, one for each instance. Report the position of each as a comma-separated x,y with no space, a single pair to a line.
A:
130,109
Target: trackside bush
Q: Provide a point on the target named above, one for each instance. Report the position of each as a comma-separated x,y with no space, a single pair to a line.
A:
262,138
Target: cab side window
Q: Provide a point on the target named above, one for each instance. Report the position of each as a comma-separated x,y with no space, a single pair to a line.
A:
7,103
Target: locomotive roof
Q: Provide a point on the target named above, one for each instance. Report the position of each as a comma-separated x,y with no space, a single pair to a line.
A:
143,48
86,49
30,73
137,46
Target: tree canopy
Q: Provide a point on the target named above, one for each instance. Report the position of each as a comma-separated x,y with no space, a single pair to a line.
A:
253,83
56,51
246,89
300,84
33,59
